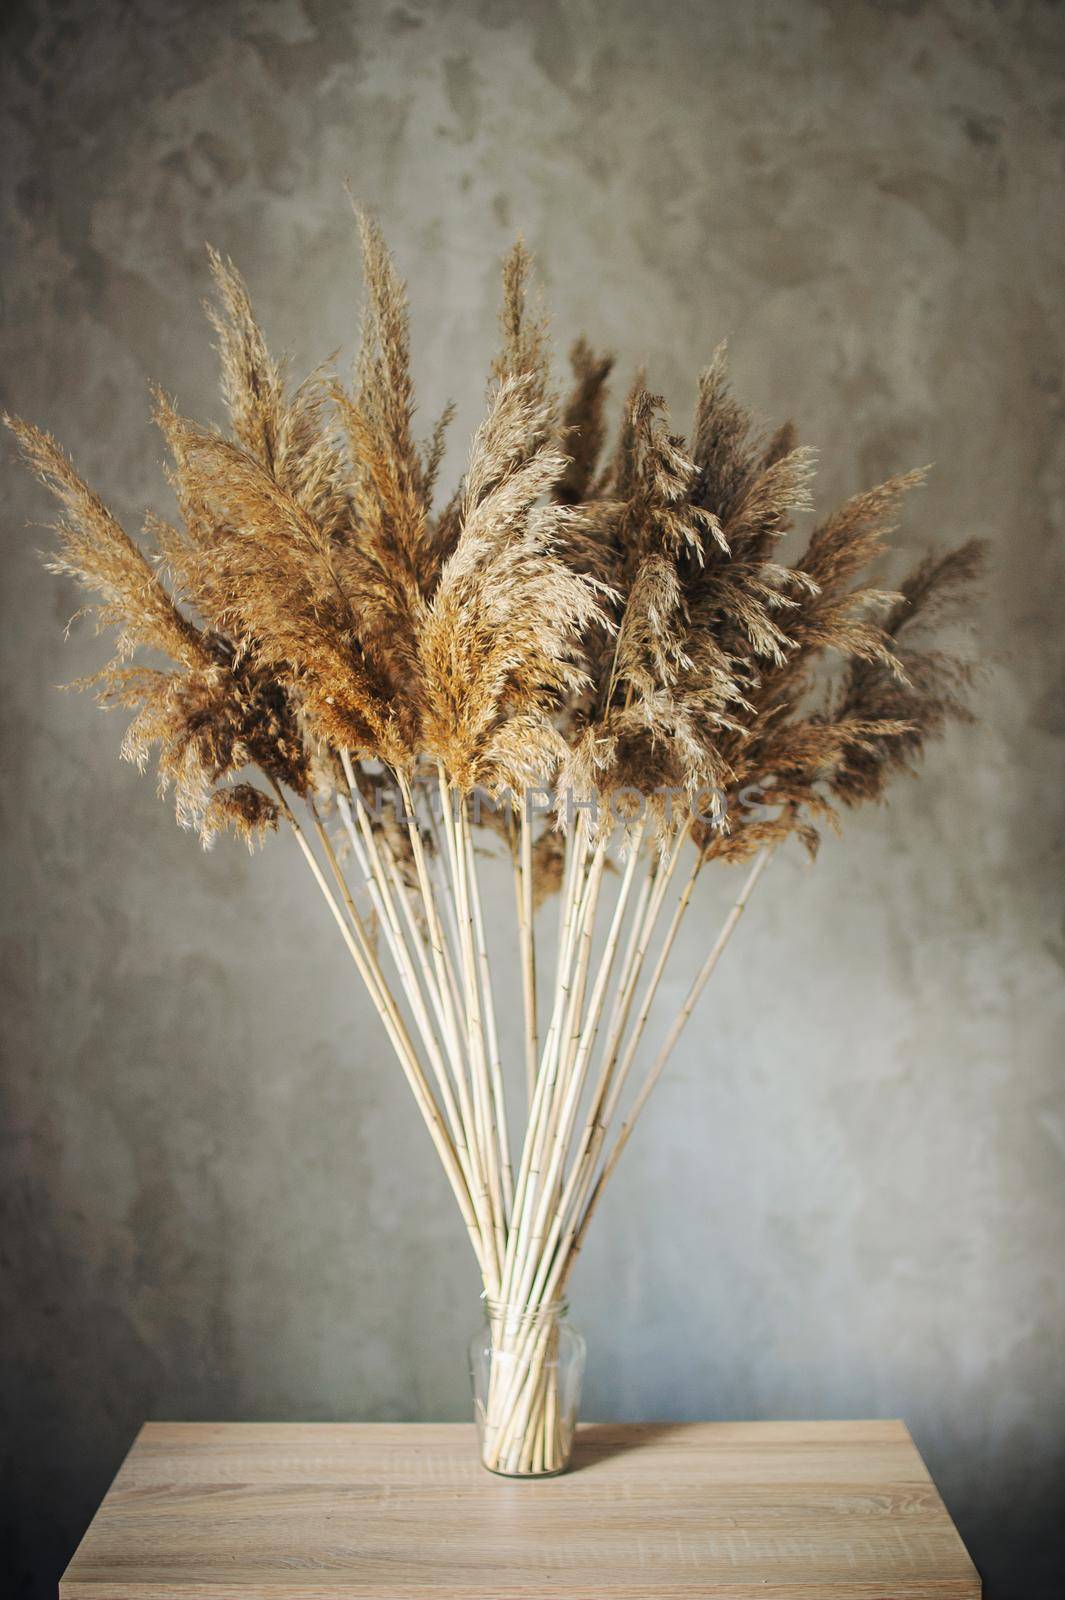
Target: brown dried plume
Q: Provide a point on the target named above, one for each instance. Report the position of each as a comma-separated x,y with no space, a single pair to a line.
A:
618,620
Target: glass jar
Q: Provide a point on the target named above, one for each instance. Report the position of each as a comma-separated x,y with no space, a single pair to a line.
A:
526,1368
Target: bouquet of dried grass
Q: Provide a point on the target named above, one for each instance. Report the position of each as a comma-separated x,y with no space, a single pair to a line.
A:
614,630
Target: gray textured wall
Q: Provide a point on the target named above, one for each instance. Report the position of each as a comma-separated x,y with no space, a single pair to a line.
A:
848,1197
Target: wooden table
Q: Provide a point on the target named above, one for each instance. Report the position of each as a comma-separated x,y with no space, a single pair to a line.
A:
294,1511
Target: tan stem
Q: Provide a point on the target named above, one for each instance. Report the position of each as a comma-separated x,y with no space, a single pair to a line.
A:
575,848
494,1060
457,830
527,936
397,1035
383,900
609,1088
575,1076
481,1196
657,1066
480,1029
539,1131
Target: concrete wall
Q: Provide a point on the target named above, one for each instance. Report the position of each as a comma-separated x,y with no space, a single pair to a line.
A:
847,1198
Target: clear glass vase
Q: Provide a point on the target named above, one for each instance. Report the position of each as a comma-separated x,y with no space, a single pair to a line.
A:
526,1367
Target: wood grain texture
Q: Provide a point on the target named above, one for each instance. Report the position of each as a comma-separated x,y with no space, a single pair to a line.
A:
292,1511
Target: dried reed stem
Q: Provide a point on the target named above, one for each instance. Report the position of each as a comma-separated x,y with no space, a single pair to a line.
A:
383,892
398,1037
527,939
625,1133
499,1103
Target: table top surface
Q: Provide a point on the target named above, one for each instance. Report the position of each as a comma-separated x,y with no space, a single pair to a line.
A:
292,1511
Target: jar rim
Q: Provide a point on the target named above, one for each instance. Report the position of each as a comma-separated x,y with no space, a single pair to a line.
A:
517,1311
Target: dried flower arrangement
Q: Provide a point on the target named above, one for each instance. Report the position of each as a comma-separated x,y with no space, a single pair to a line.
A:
620,629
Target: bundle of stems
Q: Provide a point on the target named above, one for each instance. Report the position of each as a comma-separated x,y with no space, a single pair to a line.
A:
431,984
410,682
